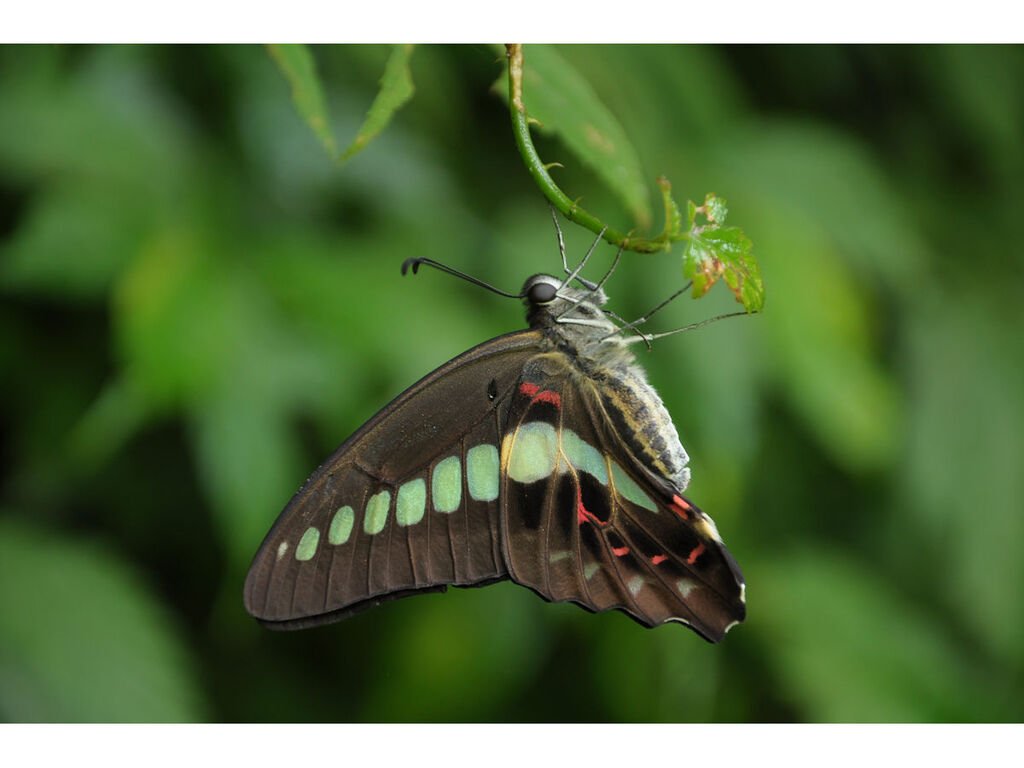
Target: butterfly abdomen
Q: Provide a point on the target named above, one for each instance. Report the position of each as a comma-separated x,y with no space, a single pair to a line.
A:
641,420
606,366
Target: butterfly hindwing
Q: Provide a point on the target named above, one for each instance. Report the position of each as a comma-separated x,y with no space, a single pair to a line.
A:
408,504
585,521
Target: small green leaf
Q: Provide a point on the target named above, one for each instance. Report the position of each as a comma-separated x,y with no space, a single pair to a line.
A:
673,216
296,62
713,251
396,88
715,209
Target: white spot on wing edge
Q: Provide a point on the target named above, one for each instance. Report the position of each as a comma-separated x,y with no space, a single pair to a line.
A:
685,587
708,528
281,549
635,585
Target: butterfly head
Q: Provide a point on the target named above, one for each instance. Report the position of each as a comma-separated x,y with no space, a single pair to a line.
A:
551,301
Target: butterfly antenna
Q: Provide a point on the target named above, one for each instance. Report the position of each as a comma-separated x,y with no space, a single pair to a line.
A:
611,269
643,319
595,287
561,250
574,275
561,242
648,338
415,263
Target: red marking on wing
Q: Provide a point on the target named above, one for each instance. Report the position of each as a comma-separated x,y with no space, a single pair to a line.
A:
682,508
695,553
548,396
584,515
658,559
537,395
620,551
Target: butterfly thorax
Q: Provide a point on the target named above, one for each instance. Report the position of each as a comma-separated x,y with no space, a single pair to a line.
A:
574,324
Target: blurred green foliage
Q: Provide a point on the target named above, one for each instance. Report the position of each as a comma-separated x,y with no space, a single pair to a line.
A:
198,305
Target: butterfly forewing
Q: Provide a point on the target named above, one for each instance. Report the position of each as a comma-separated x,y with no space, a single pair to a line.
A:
409,503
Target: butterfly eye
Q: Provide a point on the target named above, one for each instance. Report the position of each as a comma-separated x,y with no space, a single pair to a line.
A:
541,293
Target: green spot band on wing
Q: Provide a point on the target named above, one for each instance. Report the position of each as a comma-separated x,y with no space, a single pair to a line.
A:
534,449
482,472
411,502
341,525
307,544
377,512
446,485
583,456
628,489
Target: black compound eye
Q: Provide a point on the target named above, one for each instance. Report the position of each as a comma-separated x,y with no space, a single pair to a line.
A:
541,293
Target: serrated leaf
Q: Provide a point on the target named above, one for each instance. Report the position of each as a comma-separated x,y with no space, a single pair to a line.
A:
298,66
673,216
565,104
396,88
715,209
713,251
81,638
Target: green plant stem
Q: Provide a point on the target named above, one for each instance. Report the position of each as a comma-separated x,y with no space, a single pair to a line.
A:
537,168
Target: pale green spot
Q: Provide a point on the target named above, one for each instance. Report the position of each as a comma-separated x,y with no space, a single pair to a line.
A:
307,544
341,525
590,569
482,472
377,512
583,456
533,453
281,549
559,556
446,485
685,587
411,502
627,488
635,585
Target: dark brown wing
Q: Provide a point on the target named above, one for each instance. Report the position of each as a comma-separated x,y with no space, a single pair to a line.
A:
408,504
585,521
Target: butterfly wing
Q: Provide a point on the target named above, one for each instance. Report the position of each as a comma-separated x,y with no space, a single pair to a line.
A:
408,504
586,521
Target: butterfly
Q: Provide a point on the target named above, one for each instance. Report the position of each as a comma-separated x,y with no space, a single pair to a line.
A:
542,456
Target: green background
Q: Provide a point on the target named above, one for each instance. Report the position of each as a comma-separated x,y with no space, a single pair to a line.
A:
197,306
